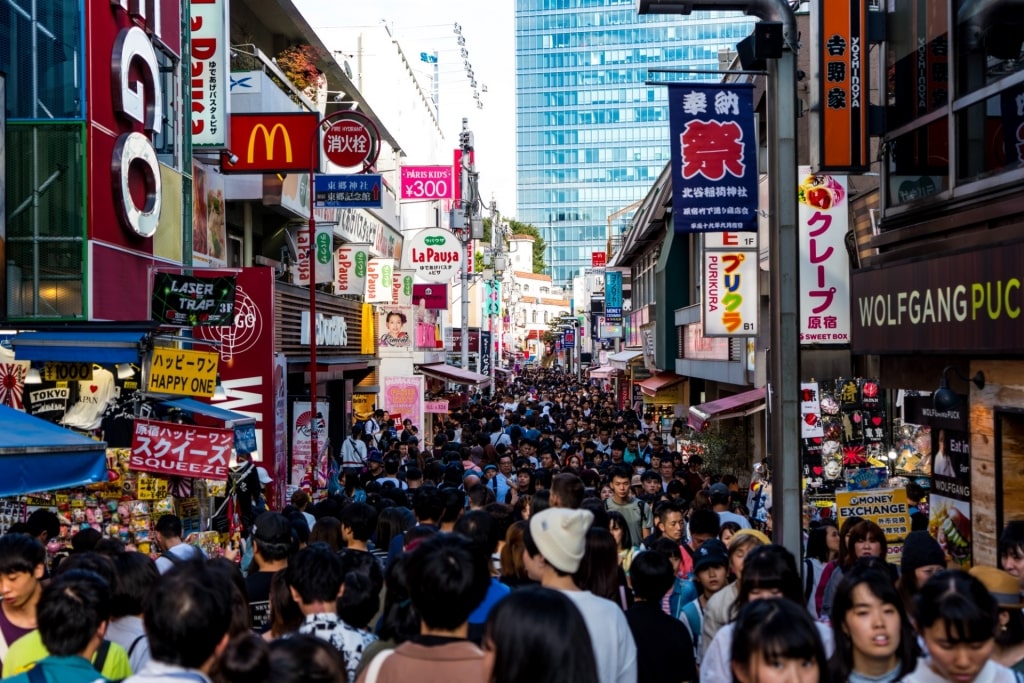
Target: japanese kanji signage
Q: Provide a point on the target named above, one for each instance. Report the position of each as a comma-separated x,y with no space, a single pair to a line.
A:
714,157
176,450
427,182
598,259
824,263
613,297
436,255
270,143
352,140
182,372
729,299
209,72
841,58
190,300
348,191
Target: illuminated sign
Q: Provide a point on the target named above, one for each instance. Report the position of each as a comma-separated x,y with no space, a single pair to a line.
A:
729,298
271,143
823,261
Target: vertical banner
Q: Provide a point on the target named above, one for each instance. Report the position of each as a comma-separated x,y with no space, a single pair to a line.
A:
492,298
379,274
209,227
486,350
1011,108
613,297
401,288
729,300
279,466
714,157
949,501
823,221
323,253
209,75
350,268
395,330
810,411
404,395
839,69
303,424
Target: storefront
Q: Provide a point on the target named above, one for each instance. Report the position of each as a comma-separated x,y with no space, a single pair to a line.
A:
665,389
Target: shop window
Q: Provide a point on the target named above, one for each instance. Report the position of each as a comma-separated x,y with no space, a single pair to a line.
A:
990,135
918,163
917,54
1009,465
989,48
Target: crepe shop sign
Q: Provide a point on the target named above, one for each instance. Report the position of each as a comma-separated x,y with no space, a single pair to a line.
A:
177,450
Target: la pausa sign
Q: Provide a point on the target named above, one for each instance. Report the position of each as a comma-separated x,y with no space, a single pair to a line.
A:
436,255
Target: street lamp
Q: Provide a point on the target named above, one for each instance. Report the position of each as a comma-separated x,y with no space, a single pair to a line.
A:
782,256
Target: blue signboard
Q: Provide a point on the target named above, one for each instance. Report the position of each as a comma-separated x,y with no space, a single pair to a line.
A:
714,157
245,439
361,191
613,297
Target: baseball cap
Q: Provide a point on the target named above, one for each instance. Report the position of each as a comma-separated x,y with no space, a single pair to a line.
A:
719,489
636,481
374,456
712,552
272,527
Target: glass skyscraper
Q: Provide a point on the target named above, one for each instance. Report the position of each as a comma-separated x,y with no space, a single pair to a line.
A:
591,136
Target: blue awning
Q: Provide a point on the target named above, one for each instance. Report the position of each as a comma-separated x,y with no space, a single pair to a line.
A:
80,346
37,455
230,418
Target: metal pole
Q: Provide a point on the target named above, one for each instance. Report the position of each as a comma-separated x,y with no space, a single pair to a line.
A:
467,205
785,342
311,263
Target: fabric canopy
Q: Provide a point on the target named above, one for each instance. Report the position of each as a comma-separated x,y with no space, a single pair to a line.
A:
652,385
230,418
604,372
451,373
737,405
36,455
80,346
625,356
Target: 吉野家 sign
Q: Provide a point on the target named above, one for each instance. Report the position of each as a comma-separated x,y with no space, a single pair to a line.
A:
188,300
271,143
177,450
183,372
714,157
427,182
363,191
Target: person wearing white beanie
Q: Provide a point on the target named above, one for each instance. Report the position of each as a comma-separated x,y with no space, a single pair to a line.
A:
556,541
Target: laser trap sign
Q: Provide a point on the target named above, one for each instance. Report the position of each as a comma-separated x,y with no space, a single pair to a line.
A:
191,301
888,508
183,372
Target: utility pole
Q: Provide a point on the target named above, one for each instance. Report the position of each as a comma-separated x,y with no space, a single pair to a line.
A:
467,177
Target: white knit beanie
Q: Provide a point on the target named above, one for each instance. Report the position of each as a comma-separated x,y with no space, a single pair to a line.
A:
561,536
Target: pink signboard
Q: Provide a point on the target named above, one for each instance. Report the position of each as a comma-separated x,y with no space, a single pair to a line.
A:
427,182
405,395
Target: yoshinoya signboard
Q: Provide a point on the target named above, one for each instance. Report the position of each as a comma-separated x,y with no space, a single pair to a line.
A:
435,254
714,157
209,74
954,303
824,263
177,450
427,182
193,300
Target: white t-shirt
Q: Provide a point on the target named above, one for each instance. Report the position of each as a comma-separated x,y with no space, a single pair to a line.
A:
353,452
991,673
613,642
93,398
184,551
715,664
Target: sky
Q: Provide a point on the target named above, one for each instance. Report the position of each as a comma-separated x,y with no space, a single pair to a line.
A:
489,32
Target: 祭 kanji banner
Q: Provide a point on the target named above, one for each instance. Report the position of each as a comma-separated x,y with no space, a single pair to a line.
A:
177,450
714,157
823,221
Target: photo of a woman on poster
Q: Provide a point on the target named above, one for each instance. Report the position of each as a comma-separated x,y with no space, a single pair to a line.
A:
395,334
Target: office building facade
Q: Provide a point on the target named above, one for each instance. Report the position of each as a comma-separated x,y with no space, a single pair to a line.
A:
592,135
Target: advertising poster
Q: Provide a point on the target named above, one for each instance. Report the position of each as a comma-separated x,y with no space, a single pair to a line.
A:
303,424
823,221
209,229
395,329
888,508
949,510
404,395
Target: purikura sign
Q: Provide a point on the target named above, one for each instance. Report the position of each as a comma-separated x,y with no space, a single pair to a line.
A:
435,254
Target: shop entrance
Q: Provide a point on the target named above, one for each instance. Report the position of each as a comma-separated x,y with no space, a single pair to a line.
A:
1009,465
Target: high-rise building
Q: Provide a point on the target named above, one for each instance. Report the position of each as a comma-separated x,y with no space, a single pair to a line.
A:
591,134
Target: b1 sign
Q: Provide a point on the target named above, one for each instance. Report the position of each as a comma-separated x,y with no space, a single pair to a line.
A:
427,182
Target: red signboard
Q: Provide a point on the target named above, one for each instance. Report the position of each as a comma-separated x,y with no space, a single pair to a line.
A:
272,143
598,259
350,142
178,450
434,296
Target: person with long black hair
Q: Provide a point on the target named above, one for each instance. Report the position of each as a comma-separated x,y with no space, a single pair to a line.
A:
775,642
536,635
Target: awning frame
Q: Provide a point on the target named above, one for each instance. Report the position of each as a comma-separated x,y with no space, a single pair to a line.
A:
455,376
655,383
230,418
737,405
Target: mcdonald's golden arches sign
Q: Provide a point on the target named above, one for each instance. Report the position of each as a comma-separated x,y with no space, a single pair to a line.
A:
272,143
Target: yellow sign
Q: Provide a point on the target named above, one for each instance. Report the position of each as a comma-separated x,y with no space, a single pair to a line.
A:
268,140
152,488
67,372
888,508
186,373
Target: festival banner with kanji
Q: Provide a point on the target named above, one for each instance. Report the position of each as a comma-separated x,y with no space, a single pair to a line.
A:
178,450
714,157
823,221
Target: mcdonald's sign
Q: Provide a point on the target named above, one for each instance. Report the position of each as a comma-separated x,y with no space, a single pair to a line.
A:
272,143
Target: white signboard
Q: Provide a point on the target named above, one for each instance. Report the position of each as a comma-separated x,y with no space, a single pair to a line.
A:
436,255
730,296
210,75
401,288
379,274
823,221
350,261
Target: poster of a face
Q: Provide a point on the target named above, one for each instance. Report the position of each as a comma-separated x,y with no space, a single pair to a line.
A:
395,328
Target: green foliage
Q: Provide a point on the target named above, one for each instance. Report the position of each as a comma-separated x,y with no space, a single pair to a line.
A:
726,448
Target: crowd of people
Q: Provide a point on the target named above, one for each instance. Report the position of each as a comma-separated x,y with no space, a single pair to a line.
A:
542,536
